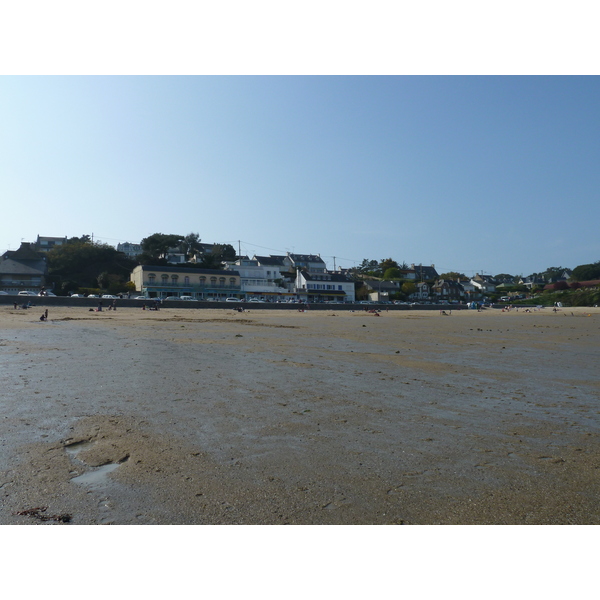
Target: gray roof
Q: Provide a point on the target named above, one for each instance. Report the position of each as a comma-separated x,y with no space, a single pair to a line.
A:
424,272
14,267
267,261
315,258
25,252
382,286
326,277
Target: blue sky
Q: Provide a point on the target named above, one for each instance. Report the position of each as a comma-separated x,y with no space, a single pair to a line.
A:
471,173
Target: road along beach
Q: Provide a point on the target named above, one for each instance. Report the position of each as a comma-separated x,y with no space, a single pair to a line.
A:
318,417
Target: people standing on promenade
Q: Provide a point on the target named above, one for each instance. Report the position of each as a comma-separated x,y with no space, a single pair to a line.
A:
99,309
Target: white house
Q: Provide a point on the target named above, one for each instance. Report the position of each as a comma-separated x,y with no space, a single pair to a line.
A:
324,287
130,250
262,280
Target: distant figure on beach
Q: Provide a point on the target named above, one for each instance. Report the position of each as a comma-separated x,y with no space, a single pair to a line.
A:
43,317
46,314
99,309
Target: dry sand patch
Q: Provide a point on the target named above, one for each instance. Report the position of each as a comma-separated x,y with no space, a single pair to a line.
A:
211,416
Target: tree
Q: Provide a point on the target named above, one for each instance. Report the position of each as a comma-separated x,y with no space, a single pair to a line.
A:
392,273
226,252
191,244
553,273
387,263
368,267
157,245
453,275
587,272
409,288
79,264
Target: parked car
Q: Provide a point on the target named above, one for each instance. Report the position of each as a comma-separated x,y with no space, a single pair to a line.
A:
188,298
49,294
141,298
255,300
26,293
76,296
169,298
232,300
106,296
4,293
93,296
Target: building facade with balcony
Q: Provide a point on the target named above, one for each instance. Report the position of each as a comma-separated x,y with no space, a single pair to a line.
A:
45,243
261,281
201,284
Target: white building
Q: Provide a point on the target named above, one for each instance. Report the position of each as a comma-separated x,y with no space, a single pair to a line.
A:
324,287
261,278
130,250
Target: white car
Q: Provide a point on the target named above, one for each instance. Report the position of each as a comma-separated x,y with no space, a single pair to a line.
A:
168,298
49,294
106,296
26,293
4,293
255,300
141,298
93,296
232,300
188,298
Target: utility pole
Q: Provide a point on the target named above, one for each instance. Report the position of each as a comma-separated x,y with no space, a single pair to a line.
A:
334,263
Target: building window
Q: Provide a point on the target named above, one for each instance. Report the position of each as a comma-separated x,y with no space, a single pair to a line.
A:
213,281
232,281
222,281
151,277
174,279
186,280
164,278
203,280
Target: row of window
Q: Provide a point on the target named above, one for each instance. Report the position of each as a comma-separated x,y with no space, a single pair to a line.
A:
322,286
186,279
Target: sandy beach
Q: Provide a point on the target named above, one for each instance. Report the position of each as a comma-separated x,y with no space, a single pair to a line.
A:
280,417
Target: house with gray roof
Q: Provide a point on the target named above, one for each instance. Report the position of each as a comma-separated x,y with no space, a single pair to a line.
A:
424,272
324,287
313,263
23,270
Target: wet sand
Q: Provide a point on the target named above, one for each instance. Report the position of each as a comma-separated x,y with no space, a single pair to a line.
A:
324,417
